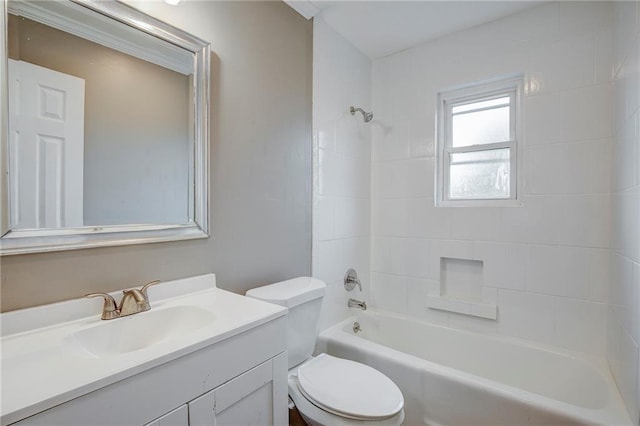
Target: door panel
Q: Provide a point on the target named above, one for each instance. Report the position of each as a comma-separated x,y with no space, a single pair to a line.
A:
46,147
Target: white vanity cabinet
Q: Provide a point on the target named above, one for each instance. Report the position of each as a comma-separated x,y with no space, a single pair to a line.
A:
245,400
177,417
238,381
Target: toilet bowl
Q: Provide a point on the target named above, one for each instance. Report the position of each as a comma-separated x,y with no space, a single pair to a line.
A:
328,391
333,391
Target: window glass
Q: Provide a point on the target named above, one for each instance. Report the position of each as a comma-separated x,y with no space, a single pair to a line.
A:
472,106
480,174
481,127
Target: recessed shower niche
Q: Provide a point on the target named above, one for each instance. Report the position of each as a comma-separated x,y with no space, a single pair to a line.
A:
462,289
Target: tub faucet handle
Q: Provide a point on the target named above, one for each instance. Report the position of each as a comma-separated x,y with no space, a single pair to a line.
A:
351,280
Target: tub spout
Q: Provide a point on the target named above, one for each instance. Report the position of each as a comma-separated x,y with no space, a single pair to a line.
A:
353,303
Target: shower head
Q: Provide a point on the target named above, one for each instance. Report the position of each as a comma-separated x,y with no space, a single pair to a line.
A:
368,116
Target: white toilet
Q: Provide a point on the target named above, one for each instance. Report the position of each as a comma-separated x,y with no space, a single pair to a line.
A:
328,391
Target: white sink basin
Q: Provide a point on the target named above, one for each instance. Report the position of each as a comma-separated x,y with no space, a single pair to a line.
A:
138,331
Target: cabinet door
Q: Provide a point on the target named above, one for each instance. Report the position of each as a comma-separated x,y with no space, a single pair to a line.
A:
177,417
253,398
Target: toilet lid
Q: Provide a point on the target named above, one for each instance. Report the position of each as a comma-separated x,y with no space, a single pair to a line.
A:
349,389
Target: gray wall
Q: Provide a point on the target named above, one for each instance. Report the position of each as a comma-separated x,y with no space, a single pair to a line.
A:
260,168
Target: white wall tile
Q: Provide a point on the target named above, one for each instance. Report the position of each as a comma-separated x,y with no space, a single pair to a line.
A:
334,305
323,218
569,168
342,208
599,275
625,155
526,315
422,135
389,292
403,178
325,259
557,270
327,137
352,217
580,325
638,383
478,223
352,177
543,124
409,257
586,113
614,329
352,137
632,80
424,220
417,292
634,305
624,292
585,220
621,275
456,249
629,224
390,140
328,167
625,26
569,63
536,222
637,119
390,217
504,264
604,56
380,254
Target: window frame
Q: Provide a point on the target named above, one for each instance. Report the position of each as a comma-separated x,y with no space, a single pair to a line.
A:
511,86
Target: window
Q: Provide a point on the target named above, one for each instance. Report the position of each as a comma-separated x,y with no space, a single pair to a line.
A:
478,128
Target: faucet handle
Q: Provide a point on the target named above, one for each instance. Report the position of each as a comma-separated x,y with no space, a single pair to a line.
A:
109,309
146,286
351,280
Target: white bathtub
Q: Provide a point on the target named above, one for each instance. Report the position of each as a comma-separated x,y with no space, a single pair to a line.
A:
453,377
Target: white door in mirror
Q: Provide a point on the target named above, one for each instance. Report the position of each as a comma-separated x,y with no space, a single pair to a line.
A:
46,148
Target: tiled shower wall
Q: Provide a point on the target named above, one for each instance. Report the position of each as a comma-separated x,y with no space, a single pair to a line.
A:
342,167
623,334
545,263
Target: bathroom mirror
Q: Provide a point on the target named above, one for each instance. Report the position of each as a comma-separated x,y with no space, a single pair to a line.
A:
104,127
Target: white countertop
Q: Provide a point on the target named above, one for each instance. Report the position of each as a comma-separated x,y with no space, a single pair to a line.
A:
39,371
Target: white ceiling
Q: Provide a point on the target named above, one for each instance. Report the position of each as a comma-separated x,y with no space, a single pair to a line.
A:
380,28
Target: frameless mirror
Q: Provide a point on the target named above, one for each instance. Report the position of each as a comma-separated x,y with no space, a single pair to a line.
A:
105,130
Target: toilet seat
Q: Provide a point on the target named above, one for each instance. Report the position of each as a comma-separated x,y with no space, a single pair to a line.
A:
349,389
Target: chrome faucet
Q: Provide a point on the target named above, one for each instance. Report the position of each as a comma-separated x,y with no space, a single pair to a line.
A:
133,301
353,303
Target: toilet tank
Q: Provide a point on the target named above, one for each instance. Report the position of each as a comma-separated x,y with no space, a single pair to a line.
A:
303,297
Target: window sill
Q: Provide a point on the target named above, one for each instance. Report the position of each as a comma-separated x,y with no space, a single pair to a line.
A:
479,203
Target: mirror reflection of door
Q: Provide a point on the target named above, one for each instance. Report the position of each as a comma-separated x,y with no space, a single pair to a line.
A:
46,147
